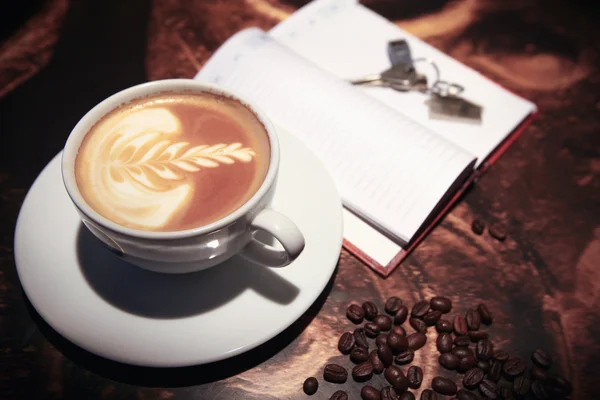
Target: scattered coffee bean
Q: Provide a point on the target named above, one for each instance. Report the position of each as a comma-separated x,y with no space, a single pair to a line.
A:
405,357
521,386
443,325
539,373
418,324
484,365
444,342
513,367
399,330
415,377
420,309
362,372
460,325
542,358
504,393
488,389
501,355
462,351
476,336
396,342
462,341
463,394
370,309
378,366
444,386
389,393
360,337
477,226
428,394
416,340
432,317
396,378
449,361
370,393
497,231
466,363
371,329
385,354
473,320
392,305
355,313
539,390
484,350
401,315
560,386
440,303
384,322
346,343
359,354
406,396
484,314
339,395
381,339
310,386
472,378
495,371
335,373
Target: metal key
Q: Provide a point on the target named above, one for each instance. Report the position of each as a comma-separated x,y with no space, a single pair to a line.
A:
399,77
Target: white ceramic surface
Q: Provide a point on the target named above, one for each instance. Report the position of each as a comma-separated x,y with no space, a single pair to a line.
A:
127,314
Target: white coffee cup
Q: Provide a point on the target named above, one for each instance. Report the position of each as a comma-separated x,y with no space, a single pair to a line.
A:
204,246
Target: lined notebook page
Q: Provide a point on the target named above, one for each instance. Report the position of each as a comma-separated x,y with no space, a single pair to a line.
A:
325,32
388,168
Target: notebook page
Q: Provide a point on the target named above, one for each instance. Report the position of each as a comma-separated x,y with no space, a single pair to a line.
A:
388,168
325,32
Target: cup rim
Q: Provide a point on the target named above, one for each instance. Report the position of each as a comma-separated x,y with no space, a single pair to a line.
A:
82,127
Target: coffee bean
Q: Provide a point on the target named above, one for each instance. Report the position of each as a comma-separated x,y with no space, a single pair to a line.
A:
360,337
370,393
488,389
392,373
484,314
385,354
392,305
495,371
416,340
443,325
405,357
381,339
432,317
406,396
504,392
539,373
371,329
310,386
415,377
440,303
539,390
418,324
466,363
384,322
521,386
396,379
428,394
355,313
484,365
513,367
399,330
497,231
460,325
374,359
389,393
370,309
462,351
335,373
560,386
476,336
463,394
449,361
542,358
444,386
484,350
472,378
420,309
462,341
362,372
396,342
339,395
401,315
501,355
346,343
359,354
477,226
444,342
473,320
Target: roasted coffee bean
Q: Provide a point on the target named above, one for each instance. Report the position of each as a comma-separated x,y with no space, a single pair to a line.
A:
416,340
462,341
472,378
484,365
476,336
542,358
495,371
521,386
484,314
381,339
371,329
396,379
539,390
385,354
443,325
440,303
449,361
346,343
497,231
418,324
504,393
355,313
513,367
310,386
444,386
360,337
359,354
473,320
405,357
484,350
362,372
392,373
401,315
370,393
399,330
488,389
432,317
335,373
378,366
444,342
466,363
389,393
477,226
460,325
406,396
396,342
384,322
420,309
392,305
429,394
539,373
462,351
501,355
339,395
370,309
560,386
415,377
463,394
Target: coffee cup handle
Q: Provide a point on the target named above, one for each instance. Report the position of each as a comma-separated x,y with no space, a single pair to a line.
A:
281,228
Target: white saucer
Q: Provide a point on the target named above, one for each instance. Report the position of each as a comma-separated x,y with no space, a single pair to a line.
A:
127,314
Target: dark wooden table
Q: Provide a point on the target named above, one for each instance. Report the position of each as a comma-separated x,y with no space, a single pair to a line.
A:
58,58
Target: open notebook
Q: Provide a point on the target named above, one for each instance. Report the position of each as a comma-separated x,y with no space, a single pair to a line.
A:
396,169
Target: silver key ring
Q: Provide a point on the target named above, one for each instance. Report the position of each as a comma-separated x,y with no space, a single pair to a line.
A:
440,87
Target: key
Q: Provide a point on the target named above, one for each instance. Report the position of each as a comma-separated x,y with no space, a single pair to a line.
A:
399,77
454,108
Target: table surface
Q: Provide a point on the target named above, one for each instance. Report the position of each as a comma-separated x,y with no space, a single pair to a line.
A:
542,283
